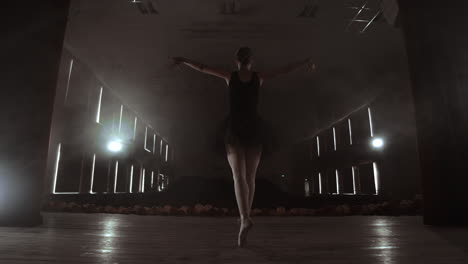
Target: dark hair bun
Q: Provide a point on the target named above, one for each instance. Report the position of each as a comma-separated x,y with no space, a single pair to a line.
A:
243,55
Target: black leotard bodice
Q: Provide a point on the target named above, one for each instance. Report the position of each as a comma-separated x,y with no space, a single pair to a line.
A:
243,96
244,126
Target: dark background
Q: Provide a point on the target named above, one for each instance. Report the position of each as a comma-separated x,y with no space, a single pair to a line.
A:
130,52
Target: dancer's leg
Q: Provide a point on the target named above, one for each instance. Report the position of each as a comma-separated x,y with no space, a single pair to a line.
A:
252,159
236,159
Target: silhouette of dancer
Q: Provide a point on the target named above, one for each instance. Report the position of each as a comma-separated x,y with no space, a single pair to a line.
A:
244,130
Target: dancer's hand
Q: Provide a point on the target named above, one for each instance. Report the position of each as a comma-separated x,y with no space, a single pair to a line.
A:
178,60
313,67
310,65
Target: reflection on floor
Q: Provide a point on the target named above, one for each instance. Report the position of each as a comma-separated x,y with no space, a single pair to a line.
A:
106,238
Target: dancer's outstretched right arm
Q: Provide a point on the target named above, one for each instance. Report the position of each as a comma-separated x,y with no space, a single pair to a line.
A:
202,68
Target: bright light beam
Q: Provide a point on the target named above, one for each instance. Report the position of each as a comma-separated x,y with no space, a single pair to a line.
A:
377,143
114,146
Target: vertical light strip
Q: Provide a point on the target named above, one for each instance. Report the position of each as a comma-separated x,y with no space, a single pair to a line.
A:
115,175
318,146
320,183
160,181
68,80
152,178
135,128
98,113
334,138
376,177
57,161
353,170
120,119
350,132
131,180
146,136
143,181
92,174
161,143
154,143
370,122
146,139
337,182
167,150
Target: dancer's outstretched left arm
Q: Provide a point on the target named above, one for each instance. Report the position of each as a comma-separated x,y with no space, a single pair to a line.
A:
288,68
202,68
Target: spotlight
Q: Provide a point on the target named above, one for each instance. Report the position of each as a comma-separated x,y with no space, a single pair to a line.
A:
377,143
114,146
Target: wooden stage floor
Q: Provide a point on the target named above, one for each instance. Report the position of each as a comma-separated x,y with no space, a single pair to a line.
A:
105,238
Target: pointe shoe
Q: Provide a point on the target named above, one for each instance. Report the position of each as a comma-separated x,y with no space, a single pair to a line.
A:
244,230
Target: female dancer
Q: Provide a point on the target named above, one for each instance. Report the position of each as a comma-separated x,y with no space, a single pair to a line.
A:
244,136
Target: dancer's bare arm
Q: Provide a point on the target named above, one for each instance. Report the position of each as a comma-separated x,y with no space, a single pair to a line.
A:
202,68
287,69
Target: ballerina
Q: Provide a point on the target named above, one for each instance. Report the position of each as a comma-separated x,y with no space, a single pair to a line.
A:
244,130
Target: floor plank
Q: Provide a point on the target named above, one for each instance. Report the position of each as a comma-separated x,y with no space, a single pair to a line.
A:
108,238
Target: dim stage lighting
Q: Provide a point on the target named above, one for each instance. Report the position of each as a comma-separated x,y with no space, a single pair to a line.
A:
377,143
114,146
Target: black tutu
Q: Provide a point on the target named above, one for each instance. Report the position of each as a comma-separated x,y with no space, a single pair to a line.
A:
248,132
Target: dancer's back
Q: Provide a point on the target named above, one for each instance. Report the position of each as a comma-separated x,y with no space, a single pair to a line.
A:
243,95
